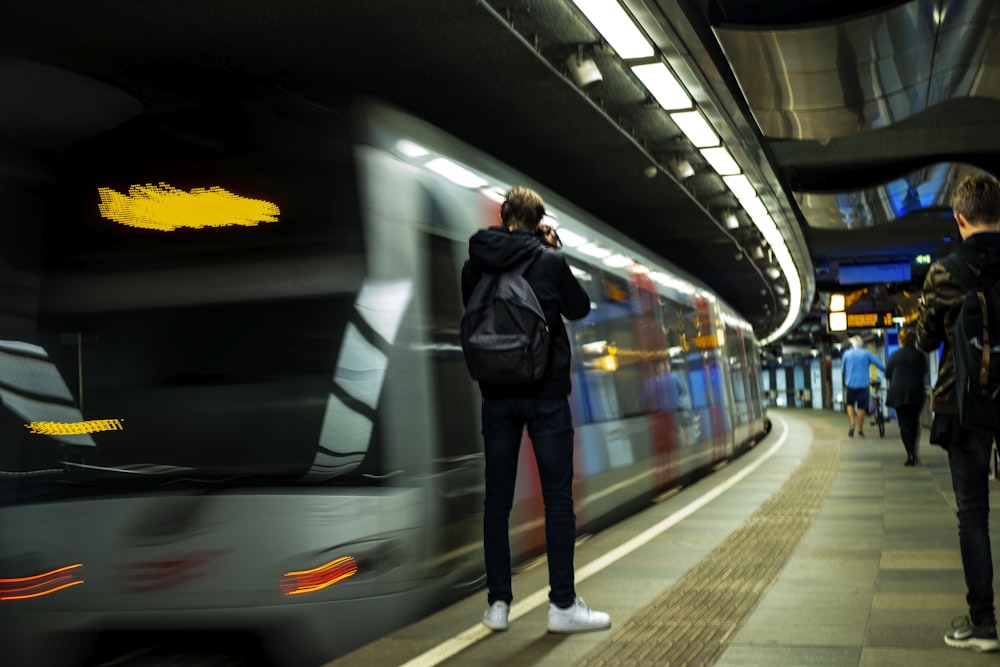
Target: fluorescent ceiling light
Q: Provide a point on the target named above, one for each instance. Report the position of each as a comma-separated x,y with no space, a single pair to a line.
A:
617,27
721,160
765,223
662,84
740,185
410,149
754,206
455,173
696,128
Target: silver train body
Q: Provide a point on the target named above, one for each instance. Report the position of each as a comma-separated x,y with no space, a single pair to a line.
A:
261,436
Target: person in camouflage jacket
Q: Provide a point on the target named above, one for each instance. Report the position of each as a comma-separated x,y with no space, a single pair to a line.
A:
976,208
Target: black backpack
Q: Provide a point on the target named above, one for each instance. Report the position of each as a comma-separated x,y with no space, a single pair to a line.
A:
504,334
976,350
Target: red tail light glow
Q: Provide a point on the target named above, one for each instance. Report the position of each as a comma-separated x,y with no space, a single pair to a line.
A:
318,578
20,588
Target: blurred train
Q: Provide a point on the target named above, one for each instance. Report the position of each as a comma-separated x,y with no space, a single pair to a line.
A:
239,422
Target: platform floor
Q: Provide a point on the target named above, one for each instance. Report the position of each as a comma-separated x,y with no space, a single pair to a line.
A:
813,549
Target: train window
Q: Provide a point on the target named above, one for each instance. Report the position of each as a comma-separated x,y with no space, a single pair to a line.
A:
608,378
455,395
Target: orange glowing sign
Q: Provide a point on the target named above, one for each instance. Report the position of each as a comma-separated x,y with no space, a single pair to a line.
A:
21,588
318,578
75,428
165,208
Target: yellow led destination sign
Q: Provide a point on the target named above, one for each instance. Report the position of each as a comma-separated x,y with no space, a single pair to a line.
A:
844,321
165,208
75,428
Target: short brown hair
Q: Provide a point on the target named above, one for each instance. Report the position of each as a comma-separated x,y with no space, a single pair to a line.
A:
522,207
977,199
907,337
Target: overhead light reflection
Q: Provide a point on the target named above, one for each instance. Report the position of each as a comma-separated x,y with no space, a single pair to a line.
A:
594,250
455,173
571,239
410,149
617,261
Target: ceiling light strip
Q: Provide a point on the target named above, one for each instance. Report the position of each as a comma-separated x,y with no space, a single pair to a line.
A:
629,40
617,27
663,86
696,128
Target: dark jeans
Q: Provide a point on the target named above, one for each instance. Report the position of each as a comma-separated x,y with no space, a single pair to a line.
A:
909,426
969,457
550,425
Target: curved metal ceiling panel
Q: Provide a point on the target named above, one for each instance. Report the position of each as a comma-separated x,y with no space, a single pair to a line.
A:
840,79
928,188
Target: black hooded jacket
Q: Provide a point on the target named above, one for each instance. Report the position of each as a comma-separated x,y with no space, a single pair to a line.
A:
560,295
942,297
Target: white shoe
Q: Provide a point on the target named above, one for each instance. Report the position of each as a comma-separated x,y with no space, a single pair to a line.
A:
495,618
577,618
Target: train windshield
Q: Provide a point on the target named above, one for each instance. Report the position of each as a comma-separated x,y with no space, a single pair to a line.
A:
193,314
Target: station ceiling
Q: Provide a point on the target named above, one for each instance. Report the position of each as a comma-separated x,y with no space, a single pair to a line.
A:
855,117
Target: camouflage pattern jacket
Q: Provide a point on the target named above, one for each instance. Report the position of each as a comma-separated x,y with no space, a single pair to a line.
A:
939,310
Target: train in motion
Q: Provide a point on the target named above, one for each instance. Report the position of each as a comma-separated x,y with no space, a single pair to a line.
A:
234,413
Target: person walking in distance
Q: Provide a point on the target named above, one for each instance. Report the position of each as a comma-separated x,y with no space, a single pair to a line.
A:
906,372
976,208
542,407
854,364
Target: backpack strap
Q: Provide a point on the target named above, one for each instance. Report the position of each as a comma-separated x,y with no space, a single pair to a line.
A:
963,275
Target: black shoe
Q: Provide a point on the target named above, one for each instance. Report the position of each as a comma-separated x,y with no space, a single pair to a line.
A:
850,432
981,638
861,434
909,461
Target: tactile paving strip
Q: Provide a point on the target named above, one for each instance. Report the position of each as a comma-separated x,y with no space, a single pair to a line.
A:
691,622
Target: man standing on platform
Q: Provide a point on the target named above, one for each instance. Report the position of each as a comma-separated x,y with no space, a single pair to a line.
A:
976,207
542,407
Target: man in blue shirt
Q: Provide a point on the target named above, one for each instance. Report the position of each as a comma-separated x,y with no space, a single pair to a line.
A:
854,364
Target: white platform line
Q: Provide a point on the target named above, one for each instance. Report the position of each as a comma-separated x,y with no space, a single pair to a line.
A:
470,636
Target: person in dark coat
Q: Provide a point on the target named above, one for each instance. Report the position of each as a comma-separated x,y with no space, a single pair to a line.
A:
906,371
976,208
541,407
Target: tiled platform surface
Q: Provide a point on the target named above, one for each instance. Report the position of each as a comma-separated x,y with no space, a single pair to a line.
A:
870,577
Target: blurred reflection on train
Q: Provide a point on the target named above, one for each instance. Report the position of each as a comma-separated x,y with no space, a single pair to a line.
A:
240,417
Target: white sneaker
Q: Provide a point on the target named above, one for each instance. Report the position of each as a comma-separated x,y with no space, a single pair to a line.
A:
577,618
495,618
